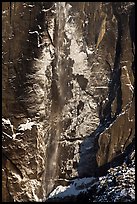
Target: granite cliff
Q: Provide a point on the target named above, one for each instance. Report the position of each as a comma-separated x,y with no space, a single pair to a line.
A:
68,106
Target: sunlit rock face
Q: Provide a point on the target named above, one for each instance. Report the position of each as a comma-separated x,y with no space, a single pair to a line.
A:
67,92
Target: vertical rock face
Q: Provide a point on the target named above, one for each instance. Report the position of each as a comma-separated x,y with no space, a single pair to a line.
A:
68,92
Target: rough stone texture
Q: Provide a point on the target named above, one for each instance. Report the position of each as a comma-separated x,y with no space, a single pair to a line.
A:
67,91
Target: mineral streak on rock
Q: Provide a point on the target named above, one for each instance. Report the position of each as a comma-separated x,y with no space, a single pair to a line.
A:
67,92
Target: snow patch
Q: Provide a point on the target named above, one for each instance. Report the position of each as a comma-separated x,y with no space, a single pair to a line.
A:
6,121
90,51
75,188
26,126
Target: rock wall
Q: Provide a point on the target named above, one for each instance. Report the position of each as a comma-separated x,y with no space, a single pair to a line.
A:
67,92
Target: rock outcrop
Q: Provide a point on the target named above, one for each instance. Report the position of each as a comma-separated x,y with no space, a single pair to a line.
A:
67,92
118,185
